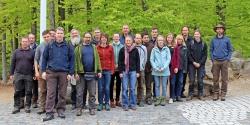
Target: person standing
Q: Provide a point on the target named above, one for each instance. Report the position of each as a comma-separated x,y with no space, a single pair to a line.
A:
125,32
220,53
178,68
160,59
57,69
38,72
197,58
129,68
87,69
148,69
22,72
115,78
97,37
154,35
141,79
187,39
106,54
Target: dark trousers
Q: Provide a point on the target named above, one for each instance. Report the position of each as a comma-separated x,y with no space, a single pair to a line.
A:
56,82
220,68
176,84
90,86
35,91
192,73
116,77
42,94
184,83
22,83
148,82
140,86
73,94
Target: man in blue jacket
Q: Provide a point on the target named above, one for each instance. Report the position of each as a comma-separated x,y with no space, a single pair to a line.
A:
220,53
57,69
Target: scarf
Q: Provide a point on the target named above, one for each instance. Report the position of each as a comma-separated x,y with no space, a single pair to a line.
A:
126,60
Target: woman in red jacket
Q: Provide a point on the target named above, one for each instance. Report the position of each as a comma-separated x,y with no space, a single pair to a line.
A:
106,55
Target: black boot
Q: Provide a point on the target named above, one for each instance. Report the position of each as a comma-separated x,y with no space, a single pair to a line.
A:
178,99
27,109
49,116
15,110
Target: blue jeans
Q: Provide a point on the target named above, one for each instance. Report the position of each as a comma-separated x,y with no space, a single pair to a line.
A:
157,85
104,87
128,83
176,84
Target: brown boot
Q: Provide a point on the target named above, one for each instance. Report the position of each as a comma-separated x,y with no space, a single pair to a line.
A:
118,103
215,96
112,104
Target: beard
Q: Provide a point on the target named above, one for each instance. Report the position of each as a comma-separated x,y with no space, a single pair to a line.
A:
75,41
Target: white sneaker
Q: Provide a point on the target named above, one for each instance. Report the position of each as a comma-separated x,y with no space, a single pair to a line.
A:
170,101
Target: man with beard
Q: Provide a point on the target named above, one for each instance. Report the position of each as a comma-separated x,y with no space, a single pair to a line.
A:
75,40
125,33
97,37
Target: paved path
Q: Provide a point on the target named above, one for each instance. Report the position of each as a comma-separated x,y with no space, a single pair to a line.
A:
234,111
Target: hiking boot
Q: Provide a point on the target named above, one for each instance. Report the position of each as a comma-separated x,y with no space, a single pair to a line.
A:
61,115
178,99
141,104
107,107
27,109
79,112
99,107
189,98
16,110
112,104
201,98
149,101
163,101
171,101
41,111
223,95
215,96
157,101
49,116
91,111
118,103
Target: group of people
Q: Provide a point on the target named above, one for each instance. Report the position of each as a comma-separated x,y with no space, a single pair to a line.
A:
126,63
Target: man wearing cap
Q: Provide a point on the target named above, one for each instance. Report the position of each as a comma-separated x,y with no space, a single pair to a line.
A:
220,53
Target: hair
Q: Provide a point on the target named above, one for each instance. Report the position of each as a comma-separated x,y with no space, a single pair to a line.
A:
197,30
116,33
170,34
87,33
180,37
130,37
105,35
45,32
144,34
60,29
52,30
154,28
185,26
31,34
74,30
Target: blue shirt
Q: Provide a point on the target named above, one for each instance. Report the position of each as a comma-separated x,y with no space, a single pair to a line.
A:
88,58
58,57
221,49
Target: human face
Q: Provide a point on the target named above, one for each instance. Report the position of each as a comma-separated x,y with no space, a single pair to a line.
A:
104,40
179,41
197,36
185,31
219,30
87,38
145,39
160,42
46,37
59,35
97,33
128,41
154,33
138,39
170,39
52,35
125,29
25,43
74,34
116,37
32,38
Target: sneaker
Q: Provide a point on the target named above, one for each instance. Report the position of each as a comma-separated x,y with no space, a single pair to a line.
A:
163,101
49,116
99,107
141,104
158,101
79,112
223,98
112,104
215,96
149,101
107,107
16,110
125,108
91,111
171,101
189,98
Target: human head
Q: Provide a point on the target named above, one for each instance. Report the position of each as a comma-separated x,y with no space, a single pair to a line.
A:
219,29
31,38
75,37
180,40
116,37
128,41
170,39
59,34
87,37
154,32
46,36
125,29
138,39
160,41
97,34
145,38
197,35
104,38
25,42
52,33
185,31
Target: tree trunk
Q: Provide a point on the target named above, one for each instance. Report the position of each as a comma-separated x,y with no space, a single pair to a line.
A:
15,42
144,5
52,14
70,12
61,11
88,12
34,22
4,60
221,11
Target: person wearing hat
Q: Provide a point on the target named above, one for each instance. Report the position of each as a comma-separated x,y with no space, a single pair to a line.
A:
220,53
